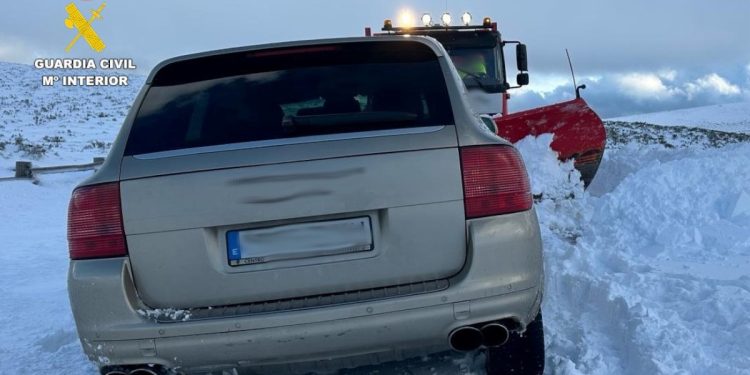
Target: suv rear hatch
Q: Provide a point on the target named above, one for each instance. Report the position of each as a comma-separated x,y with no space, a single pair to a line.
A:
292,172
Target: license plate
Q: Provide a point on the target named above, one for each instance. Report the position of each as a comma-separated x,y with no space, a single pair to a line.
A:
299,241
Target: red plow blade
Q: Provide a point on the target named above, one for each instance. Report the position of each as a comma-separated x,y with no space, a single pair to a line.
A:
578,132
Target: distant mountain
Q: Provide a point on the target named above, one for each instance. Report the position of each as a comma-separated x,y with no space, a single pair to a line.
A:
733,117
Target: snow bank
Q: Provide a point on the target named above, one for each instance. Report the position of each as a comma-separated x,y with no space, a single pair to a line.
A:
653,275
548,176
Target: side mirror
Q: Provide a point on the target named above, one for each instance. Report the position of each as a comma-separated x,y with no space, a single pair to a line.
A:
522,60
522,79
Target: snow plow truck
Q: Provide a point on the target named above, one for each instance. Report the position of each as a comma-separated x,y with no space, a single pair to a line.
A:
478,52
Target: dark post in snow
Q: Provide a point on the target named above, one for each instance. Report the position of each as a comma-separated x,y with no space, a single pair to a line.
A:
23,169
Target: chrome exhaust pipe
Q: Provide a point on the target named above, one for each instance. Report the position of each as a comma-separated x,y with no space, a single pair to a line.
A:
494,334
143,371
465,339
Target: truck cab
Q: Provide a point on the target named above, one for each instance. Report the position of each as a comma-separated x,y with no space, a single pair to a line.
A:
478,53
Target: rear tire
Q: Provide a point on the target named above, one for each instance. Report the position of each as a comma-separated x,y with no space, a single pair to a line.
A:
521,355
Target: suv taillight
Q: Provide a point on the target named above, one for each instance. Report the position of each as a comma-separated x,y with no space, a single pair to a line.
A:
95,222
495,181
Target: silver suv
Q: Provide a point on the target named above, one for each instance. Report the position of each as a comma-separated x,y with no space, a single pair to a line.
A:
305,206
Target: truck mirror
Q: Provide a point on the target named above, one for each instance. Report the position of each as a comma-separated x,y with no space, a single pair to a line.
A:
521,58
522,79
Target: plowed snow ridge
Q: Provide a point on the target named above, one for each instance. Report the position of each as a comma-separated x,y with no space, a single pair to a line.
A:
653,275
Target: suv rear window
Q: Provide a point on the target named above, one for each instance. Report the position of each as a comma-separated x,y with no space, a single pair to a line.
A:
291,92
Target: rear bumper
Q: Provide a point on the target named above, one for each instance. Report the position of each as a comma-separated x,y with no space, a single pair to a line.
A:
357,341
502,279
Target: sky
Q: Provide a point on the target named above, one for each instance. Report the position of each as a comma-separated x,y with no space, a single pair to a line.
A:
634,56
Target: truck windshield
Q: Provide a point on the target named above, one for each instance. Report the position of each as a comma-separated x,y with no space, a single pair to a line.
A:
474,62
291,92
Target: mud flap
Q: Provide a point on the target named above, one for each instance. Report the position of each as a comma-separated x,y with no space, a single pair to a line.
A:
523,354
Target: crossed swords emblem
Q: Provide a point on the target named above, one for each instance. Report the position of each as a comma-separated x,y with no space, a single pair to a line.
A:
77,20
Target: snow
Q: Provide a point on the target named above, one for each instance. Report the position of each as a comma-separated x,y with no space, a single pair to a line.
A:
647,272
171,314
47,125
548,177
732,117
38,331
652,276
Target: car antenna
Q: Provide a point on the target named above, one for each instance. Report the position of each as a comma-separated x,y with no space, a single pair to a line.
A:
572,73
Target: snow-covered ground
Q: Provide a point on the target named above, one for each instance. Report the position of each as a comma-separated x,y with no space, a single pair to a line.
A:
648,271
50,125
732,117
37,332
